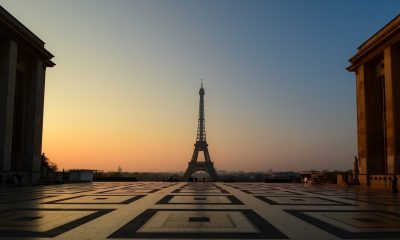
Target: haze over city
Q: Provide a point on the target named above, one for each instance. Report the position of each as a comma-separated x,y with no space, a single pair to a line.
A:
124,91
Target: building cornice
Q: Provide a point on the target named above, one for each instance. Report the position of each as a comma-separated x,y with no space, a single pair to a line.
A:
11,24
376,41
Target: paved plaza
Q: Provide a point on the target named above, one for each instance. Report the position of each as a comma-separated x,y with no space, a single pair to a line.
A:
153,210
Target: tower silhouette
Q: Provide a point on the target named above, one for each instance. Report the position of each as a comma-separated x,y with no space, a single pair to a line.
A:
201,146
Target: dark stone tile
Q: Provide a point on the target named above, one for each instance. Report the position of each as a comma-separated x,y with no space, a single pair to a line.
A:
52,232
27,219
199,219
364,233
266,230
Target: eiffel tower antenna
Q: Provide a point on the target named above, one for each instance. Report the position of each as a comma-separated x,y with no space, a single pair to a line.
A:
201,146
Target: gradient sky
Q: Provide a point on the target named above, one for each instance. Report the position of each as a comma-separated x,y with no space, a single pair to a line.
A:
124,91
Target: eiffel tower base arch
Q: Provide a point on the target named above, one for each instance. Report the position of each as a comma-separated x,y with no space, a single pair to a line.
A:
206,166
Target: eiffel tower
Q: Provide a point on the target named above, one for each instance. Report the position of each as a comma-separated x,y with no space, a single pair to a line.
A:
201,146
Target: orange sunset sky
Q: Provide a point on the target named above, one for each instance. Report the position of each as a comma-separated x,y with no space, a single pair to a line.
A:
124,91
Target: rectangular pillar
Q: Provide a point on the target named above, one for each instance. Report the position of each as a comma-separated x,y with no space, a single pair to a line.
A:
389,100
8,65
395,63
34,123
361,120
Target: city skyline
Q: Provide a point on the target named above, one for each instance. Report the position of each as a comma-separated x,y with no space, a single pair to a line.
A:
124,90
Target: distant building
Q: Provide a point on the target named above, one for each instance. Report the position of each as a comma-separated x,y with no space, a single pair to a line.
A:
311,177
377,69
23,62
81,175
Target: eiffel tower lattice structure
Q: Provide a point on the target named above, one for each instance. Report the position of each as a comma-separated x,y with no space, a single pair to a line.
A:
201,146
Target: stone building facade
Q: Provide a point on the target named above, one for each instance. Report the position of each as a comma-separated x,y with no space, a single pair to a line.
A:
23,62
377,68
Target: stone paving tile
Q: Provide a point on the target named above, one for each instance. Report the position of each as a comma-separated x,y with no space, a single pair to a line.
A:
155,210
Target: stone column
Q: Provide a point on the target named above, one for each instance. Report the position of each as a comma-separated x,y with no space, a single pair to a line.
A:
390,143
8,64
361,120
33,148
396,103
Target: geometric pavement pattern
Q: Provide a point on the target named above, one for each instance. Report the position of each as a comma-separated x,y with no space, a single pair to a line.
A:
199,210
